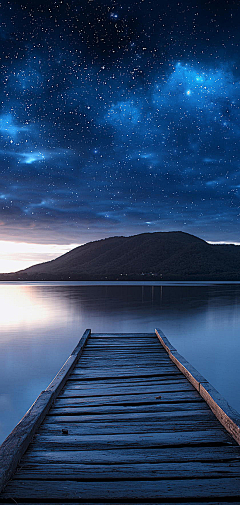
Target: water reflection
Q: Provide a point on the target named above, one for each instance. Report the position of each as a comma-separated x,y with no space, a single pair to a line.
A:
40,325
20,305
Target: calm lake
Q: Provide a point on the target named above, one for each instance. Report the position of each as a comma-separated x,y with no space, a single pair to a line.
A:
42,322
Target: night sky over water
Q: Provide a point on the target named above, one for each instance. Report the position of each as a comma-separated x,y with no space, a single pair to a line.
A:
119,118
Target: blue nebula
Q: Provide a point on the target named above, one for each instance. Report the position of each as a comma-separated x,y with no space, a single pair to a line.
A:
119,119
123,114
8,128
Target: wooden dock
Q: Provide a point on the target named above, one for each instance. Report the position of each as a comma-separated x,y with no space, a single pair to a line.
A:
126,420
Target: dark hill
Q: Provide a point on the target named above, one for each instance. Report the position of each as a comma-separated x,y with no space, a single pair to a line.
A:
169,255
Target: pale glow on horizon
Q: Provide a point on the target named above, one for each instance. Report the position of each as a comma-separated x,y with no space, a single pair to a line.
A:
16,256
223,242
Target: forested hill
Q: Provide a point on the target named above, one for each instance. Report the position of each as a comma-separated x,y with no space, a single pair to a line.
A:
149,256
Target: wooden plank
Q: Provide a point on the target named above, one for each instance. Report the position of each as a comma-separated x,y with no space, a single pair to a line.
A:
99,442
126,371
127,349
111,409
227,416
122,373
136,471
132,502
126,334
133,426
159,379
140,417
126,356
113,355
146,358
123,364
139,345
98,336
123,334
124,342
121,353
124,391
169,367
134,337
134,455
77,391
118,345
138,374
123,337
17,442
112,385
174,396
148,490
111,428
123,346
119,364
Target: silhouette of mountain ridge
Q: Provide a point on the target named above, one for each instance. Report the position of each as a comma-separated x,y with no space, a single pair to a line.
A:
149,256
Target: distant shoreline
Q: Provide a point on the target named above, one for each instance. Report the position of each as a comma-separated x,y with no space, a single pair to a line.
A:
121,283
160,256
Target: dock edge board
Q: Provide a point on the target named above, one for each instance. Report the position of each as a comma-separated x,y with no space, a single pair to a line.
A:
228,417
19,439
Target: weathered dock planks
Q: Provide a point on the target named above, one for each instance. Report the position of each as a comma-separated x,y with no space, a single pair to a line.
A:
126,420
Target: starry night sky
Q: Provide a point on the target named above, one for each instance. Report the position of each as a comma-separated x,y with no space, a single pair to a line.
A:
119,118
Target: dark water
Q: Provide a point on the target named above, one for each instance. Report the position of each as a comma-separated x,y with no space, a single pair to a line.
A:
41,324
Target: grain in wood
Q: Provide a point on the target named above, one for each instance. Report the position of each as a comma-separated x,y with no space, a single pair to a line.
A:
148,490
